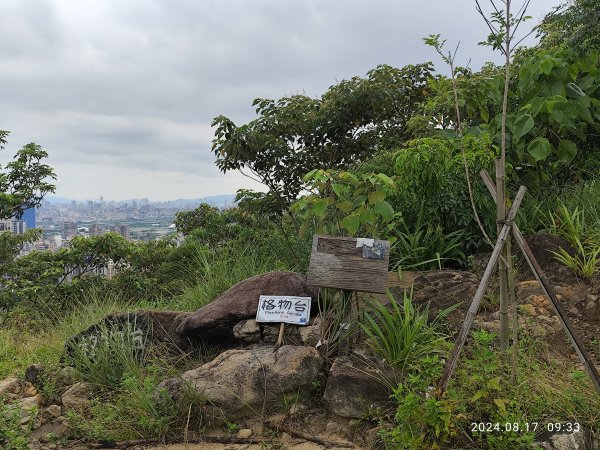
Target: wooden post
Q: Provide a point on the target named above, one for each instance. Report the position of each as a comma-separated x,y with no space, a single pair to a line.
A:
503,262
280,337
549,292
485,279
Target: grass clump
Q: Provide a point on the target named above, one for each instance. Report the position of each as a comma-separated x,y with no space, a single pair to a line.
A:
402,334
136,409
583,235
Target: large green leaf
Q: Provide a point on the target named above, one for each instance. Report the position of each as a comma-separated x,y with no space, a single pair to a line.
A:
384,209
540,148
564,114
339,189
582,111
574,90
566,150
351,223
376,196
522,125
385,179
320,206
537,105
345,206
359,200
367,216
546,65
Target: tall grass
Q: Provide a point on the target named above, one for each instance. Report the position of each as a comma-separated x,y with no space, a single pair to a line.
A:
105,356
583,235
43,343
337,324
222,269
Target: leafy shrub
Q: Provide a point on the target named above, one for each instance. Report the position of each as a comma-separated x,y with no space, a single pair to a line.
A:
431,187
422,421
345,203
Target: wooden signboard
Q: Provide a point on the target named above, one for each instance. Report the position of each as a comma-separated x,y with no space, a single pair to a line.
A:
349,263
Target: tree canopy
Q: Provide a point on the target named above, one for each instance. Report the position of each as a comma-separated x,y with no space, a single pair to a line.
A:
350,122
23,183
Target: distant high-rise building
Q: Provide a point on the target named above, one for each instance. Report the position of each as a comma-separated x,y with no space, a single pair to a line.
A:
123,230
6,225
95,230
19,227
14,226
29,218
69,230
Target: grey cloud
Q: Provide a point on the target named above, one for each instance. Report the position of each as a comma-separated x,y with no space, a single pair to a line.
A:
134,84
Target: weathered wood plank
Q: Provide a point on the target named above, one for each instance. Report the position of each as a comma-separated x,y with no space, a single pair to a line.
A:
337,262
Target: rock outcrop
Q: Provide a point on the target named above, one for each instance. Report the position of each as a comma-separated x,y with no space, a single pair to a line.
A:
353,388
242,378
215,321
77,397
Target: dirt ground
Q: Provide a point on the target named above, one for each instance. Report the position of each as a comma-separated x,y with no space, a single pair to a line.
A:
298,446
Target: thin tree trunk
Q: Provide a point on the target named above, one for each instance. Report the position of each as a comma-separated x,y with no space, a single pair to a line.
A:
502,262
505,264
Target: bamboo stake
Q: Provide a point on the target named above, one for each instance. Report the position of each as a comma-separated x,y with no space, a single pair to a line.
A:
513,309
485,279
503,263
549,292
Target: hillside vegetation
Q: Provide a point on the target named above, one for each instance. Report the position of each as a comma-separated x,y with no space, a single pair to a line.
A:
381,156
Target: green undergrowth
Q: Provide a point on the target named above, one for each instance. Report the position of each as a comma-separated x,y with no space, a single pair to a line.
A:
546,390
31,338
133,408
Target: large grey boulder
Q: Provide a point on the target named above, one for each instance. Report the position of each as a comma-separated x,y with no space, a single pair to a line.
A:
565,441
354,387
238,379
216,320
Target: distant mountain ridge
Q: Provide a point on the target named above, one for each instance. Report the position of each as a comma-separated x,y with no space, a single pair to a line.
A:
222,200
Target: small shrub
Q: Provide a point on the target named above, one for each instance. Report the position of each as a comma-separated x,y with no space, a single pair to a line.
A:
422,421
14,435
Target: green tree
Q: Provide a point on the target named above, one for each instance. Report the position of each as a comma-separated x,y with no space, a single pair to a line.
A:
574,25
345,203
294,135
23,185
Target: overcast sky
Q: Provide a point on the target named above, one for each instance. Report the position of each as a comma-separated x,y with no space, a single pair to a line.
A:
121,93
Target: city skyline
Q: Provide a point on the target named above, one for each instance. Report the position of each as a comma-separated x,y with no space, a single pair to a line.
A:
122,94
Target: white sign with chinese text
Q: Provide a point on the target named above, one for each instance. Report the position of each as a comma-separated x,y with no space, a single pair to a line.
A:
278,308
